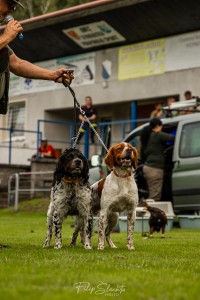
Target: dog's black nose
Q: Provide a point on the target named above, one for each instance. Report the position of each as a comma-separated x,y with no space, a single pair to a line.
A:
78,162
129,150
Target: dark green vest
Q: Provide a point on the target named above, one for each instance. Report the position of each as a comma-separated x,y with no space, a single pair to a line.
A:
4,69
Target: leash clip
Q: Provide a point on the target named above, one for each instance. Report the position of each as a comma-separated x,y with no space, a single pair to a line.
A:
82,111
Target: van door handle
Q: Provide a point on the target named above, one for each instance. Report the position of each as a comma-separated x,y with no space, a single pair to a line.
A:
176,163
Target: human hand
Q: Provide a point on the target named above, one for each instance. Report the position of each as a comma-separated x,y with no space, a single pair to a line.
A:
12,29
63,72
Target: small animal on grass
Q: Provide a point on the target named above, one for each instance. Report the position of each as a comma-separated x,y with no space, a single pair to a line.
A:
70,195
157,219
116,193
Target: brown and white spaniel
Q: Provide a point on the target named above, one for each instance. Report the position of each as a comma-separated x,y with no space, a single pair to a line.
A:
117,193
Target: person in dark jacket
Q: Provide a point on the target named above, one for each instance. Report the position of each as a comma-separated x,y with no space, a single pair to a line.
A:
91,114
153,145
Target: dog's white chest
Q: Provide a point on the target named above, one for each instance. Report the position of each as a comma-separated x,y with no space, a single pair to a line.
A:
119,193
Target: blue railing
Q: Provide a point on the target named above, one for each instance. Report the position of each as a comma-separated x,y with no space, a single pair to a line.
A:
10,139
70,129
101,130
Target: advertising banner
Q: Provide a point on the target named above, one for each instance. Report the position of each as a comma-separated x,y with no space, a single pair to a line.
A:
142,59
182,52
83,66
84,71
94,34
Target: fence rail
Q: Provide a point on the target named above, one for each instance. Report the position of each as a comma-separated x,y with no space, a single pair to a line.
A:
32,185
121,127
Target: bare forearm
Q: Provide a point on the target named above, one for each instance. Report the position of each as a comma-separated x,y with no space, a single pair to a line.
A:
28,70
81,118
4,40
93,117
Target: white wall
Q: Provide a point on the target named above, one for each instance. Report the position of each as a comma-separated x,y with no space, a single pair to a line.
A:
114,100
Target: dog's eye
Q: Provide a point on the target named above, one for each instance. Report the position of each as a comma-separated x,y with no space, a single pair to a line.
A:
71,156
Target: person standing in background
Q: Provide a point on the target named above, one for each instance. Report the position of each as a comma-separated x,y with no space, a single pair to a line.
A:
188,95
153,144
91,114
157,112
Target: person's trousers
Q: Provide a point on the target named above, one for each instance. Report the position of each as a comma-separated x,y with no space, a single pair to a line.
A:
87,127
154,178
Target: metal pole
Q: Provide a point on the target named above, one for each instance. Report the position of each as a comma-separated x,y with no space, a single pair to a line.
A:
16,191
10,145
86,143
123,130
133,114
38,136
9,189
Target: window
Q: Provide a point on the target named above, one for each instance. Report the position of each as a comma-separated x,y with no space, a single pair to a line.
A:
190,140
16,117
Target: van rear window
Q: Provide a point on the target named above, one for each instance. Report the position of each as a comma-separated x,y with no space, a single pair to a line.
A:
190,140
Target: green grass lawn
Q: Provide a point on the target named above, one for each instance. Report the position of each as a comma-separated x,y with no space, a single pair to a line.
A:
158,269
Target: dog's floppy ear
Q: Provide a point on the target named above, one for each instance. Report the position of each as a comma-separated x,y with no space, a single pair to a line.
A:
135,162
109,159
59,171
85,170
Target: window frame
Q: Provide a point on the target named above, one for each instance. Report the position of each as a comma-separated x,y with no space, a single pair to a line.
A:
21,136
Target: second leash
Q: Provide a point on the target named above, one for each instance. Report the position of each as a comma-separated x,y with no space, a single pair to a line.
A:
85,118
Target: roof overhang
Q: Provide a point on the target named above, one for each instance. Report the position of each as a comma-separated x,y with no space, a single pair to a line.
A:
135,20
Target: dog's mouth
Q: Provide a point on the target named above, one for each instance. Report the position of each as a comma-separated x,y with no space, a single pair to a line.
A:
125,161
127,158
76,170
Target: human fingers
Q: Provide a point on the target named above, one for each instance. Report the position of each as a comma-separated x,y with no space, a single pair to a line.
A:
66,73
12,29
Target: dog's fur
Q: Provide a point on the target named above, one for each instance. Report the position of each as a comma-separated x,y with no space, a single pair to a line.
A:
70,195
157,219
117,193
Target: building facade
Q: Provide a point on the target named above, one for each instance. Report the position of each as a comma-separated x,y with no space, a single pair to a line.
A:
123,82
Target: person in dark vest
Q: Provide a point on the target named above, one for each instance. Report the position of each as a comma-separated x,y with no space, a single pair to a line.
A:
91,114
10,62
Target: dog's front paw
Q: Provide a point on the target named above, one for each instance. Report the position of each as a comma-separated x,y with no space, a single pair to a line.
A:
113,246
46,244
87,246
58,246
130,247
100,247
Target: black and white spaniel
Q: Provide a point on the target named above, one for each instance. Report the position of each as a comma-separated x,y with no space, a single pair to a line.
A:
70,195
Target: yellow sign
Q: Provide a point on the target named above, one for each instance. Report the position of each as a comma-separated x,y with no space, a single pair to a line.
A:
142,59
